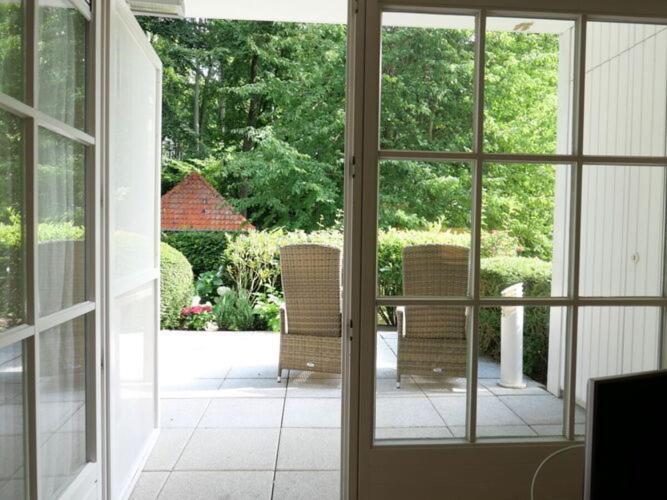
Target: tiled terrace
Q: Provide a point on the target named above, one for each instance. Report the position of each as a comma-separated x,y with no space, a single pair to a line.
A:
229,430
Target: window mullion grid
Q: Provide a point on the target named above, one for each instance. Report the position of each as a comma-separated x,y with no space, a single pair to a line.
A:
573,261
476,216
31,344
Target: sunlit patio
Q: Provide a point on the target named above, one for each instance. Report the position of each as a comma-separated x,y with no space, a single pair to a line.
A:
229,428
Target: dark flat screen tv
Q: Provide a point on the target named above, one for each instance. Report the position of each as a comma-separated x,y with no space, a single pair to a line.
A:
626,437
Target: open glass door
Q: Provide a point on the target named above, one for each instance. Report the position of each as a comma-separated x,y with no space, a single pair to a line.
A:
49,291
132,187
510,239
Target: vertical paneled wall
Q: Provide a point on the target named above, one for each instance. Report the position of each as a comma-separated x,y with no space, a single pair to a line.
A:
622,206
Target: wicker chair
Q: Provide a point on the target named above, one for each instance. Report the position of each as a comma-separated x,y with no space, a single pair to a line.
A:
432,339
310,319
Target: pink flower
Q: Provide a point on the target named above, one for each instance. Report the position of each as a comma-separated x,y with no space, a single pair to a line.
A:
192,310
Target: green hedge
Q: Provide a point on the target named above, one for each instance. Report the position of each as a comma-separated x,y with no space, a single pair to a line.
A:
176,286
498,273
203,249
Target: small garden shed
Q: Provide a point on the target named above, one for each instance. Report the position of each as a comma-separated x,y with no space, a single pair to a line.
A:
194,205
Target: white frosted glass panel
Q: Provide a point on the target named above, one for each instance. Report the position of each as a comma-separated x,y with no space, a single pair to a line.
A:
62,410
132,388
12,433
133,157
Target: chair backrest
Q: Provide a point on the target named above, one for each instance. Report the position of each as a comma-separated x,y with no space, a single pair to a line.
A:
435,270
311,277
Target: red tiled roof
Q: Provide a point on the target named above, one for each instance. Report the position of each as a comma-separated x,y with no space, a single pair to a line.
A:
193,204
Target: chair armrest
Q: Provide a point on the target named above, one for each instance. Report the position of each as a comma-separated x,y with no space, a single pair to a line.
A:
283,319
400,321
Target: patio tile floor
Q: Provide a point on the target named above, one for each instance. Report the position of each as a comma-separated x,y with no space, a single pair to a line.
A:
229,430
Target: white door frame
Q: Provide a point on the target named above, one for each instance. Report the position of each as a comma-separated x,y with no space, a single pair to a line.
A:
116,12
414,469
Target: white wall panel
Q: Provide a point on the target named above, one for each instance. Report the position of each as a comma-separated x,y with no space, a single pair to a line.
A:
623,218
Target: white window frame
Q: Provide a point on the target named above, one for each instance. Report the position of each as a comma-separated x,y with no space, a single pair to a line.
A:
362,160
28,334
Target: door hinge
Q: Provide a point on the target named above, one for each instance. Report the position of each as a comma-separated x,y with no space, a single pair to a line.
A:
353,166
356,6
349,329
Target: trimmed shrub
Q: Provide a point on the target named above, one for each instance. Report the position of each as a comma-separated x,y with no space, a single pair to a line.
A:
176,286
498,273
253,260
203,249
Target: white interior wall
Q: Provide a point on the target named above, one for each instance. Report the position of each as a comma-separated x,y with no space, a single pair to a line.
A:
622,207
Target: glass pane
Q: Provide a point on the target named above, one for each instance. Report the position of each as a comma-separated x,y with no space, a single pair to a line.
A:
61,215
528,91
420,381
62,399
622,231
61,85
626,96
615,341
513,396
524,220
133,157
11,48
12,432
132,385
12,230
427,82
430,226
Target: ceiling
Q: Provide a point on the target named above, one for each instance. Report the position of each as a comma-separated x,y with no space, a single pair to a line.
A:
335,12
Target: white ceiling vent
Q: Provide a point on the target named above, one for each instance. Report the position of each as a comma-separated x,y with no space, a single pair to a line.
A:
160,8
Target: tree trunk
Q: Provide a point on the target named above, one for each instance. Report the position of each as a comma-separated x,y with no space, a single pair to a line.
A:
203,106
195,110
253,107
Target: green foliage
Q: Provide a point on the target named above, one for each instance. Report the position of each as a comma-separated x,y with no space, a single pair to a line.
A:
267,308
498,273
234,310
203,249
207,284
253,259
175,286
258,108
277,186
11,48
